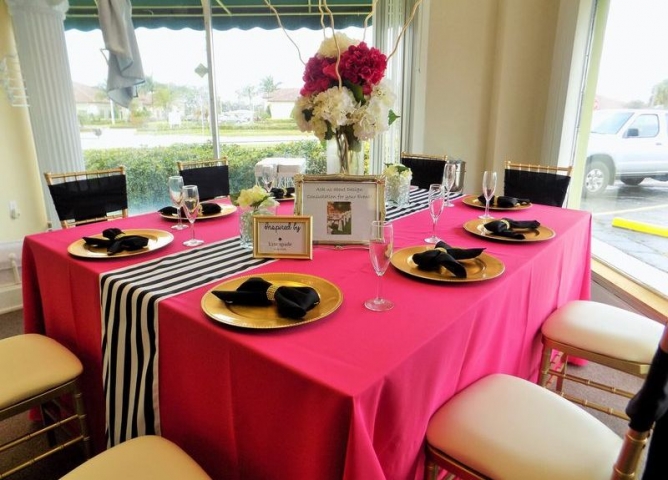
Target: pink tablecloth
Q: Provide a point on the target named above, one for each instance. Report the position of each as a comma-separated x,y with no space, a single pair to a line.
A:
348,396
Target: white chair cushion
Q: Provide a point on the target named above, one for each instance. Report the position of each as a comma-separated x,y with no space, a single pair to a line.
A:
31,364
509,428
142,458
604,329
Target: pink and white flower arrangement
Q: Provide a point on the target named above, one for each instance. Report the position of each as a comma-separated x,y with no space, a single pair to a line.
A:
349,101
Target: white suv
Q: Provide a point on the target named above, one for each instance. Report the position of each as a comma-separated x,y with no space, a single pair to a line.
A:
630,145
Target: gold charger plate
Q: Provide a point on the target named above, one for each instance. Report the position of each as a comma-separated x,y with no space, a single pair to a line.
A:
483,267
225,210
156,239
266,317
472,201
539,234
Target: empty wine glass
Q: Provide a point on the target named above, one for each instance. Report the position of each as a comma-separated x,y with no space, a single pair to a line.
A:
488,188
381,243
175,184
191,207
436,202
268,176
449,176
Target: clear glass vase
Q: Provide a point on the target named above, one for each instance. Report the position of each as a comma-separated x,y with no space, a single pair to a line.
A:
397,190
345,157
246,215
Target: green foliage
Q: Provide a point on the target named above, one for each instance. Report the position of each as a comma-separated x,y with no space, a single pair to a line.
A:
148,168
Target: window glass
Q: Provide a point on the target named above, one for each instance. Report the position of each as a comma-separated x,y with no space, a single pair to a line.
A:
626,171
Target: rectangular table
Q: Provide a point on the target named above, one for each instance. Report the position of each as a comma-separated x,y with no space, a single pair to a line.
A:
348,396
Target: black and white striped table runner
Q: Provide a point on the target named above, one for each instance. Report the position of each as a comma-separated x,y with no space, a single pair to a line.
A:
130,297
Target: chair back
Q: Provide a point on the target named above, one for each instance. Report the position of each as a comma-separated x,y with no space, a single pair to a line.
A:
541,184
647,409
426,169
212,177
90,196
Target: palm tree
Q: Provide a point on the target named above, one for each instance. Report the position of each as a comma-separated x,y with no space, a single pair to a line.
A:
268,85
660,94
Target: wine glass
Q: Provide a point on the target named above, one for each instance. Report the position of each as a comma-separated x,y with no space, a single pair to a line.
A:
191,207
381,243
436,202
175,184
449,176
488,187
268,176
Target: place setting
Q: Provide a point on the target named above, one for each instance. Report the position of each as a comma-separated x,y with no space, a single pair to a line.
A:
176,212
505,229
116,243
441,262
272,300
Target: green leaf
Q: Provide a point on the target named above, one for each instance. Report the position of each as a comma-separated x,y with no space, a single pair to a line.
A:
358,93
392,117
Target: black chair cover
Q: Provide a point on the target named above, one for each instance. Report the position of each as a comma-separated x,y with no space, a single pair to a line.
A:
650,405
539,187
425,170
211,182
89,198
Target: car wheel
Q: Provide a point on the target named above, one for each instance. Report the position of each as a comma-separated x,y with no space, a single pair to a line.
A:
632,180
597,178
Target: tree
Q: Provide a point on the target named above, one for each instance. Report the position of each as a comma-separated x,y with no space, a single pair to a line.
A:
268,85
247,92
660,94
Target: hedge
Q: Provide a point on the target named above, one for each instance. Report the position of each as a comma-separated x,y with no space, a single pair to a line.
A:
147,168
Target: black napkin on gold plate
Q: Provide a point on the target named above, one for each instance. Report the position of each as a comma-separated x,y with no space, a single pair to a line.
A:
504,201
282,192
292,302
443,255
204,209
116,241
507,227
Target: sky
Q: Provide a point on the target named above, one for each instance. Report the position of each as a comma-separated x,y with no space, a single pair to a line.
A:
635,57
635,52
170,56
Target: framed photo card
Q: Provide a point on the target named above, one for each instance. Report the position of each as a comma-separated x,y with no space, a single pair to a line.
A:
342,206
282,236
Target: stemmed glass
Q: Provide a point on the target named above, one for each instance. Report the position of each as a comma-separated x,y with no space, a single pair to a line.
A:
175,185
436,202
381,242
268,176
488,188
191,207
449,175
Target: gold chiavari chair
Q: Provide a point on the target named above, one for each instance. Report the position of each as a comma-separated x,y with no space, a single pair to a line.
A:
426,169
212,177
38,372
504,427
541,184
89,196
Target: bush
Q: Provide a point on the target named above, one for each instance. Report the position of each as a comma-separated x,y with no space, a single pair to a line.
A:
147,169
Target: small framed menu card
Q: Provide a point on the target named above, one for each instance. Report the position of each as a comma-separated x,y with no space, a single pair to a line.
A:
282,236
342,206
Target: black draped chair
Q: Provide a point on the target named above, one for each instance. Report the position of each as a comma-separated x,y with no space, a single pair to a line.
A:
541,184
212,177
427,169
90,196
506,427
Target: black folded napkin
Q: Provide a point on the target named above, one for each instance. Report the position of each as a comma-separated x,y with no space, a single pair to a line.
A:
204,209
283,192
504,201
443,255
116,241
506,227
292,302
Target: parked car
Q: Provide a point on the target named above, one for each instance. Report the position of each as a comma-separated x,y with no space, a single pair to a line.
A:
629,145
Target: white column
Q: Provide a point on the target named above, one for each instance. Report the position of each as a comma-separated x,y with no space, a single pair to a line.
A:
40,44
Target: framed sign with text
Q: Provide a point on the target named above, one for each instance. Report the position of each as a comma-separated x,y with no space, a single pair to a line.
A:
282,236
342,206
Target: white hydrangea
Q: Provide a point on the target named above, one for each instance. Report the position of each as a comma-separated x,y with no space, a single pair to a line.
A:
255,196
328,45
336,106
302,103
